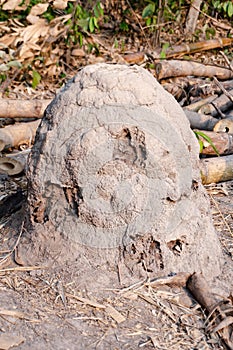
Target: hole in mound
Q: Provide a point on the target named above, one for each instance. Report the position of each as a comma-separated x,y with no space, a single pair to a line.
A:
176,246
146,251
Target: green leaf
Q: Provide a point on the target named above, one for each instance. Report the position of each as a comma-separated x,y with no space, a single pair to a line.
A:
148,11
230,9
98,11
225,5
36,78
91,24
95,22
201,145
148,21
207,138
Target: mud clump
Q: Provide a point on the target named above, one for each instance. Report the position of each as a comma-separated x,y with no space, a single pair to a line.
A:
115,168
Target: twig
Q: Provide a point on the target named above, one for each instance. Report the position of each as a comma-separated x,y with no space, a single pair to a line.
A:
223,89
23,268
227,60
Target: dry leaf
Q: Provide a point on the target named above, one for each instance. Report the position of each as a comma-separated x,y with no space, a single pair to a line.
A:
7,341
11,5
116,315
60,4
32,19
40,28
78,53
38,9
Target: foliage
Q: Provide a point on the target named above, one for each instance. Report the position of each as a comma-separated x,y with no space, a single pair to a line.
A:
83,20
171,11
225,7
199,135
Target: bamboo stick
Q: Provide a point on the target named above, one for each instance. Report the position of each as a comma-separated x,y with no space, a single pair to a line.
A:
180,50
216,169
224,125
14,164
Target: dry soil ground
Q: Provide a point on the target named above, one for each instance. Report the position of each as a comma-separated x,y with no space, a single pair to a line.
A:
61,306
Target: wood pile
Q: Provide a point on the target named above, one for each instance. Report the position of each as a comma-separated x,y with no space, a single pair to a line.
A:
207,102
208,105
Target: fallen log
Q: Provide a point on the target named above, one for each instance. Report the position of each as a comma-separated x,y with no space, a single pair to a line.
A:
178,68
14,164
200,121
18,134
12,108
222,143
216,169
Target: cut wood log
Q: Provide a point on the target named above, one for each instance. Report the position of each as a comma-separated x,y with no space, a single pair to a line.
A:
222,103
178,68
200,121
216,169
14,164
223,142
12,108
224,125
18,134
